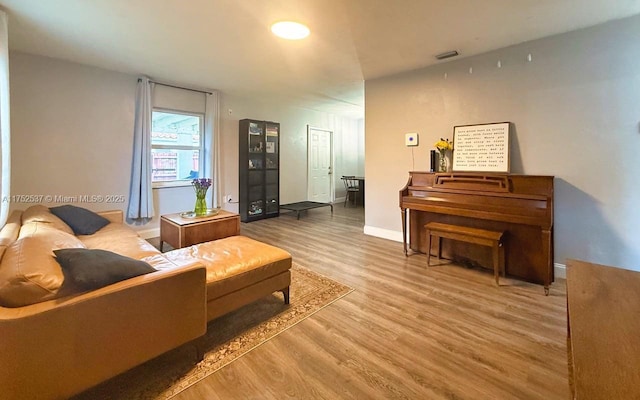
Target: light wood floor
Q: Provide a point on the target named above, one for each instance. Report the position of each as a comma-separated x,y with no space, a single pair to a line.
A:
405,332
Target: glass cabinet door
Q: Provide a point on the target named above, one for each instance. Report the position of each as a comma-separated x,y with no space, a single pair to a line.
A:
256,146
271,165
271,149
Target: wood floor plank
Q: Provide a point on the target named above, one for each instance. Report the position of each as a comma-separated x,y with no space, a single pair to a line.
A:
406,332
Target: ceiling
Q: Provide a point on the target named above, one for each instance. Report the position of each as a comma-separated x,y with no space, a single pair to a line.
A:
227,44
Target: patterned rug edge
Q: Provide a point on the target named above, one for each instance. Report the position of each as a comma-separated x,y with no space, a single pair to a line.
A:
248,350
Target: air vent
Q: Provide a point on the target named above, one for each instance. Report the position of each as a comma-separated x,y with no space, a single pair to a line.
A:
447,54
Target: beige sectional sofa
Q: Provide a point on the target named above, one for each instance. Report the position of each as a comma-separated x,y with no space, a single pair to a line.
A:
56,342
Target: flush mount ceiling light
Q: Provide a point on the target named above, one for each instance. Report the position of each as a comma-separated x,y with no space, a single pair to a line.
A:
290,30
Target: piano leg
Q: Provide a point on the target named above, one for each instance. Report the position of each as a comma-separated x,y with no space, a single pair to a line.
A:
403,214
546,249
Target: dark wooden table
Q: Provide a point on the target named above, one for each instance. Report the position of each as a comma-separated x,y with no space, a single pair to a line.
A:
603,310
304,206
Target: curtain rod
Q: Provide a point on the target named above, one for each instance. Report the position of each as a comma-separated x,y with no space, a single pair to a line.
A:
177,87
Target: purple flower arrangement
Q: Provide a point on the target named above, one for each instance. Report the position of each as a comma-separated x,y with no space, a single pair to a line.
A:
201,186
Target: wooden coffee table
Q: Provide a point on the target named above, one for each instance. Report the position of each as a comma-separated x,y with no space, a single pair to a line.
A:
182,232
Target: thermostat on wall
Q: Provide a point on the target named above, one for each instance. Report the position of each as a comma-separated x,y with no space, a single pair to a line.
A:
411,139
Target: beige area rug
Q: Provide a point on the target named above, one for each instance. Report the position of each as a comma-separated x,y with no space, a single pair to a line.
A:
228,338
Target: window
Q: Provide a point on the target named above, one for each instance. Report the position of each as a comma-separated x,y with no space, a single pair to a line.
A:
176,147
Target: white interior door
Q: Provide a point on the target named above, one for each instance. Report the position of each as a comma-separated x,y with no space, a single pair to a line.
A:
320,168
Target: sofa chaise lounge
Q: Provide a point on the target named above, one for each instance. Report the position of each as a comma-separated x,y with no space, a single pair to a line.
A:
55,343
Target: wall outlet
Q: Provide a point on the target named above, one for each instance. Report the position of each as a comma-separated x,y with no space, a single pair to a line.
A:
411,139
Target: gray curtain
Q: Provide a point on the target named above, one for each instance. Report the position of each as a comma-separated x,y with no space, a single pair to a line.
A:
140,193
212,145
5,160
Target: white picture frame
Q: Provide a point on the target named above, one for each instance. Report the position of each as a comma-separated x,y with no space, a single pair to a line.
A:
481,147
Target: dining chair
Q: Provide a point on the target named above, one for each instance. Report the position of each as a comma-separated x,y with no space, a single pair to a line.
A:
352,189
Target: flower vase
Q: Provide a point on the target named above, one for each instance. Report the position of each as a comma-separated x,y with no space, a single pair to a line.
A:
201,206
442,166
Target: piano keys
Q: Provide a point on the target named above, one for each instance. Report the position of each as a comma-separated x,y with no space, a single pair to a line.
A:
519,205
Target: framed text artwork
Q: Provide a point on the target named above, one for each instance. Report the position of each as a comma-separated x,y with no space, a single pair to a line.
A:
481,148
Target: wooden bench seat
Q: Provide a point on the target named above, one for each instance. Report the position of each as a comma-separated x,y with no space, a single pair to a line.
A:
481,237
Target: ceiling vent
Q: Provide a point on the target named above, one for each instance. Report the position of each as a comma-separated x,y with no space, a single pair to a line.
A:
447,54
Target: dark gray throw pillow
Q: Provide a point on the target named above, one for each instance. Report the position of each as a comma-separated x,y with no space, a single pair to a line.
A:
89,269
81,220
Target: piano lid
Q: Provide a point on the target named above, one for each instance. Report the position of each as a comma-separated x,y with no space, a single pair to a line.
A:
488,184
525,199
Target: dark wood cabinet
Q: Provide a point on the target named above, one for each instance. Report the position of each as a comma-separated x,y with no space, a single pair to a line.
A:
603,306
259,169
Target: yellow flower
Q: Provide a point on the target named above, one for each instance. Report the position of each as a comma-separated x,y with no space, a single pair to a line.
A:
443,145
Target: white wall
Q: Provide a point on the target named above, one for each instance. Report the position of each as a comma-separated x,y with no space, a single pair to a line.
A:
72,135
576,116
71,129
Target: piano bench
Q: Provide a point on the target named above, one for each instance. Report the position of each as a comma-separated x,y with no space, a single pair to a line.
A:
482,237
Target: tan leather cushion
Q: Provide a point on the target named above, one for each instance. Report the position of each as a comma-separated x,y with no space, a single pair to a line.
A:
234,263
161,263
115,216
40,213
29,272
10,231
120,239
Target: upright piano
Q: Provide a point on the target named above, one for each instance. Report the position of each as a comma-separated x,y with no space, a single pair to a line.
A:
519,205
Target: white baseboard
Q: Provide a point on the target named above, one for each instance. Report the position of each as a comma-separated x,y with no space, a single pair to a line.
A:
149,233
383,233
559,270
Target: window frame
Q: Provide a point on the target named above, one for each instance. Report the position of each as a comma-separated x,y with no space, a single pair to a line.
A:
200,148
